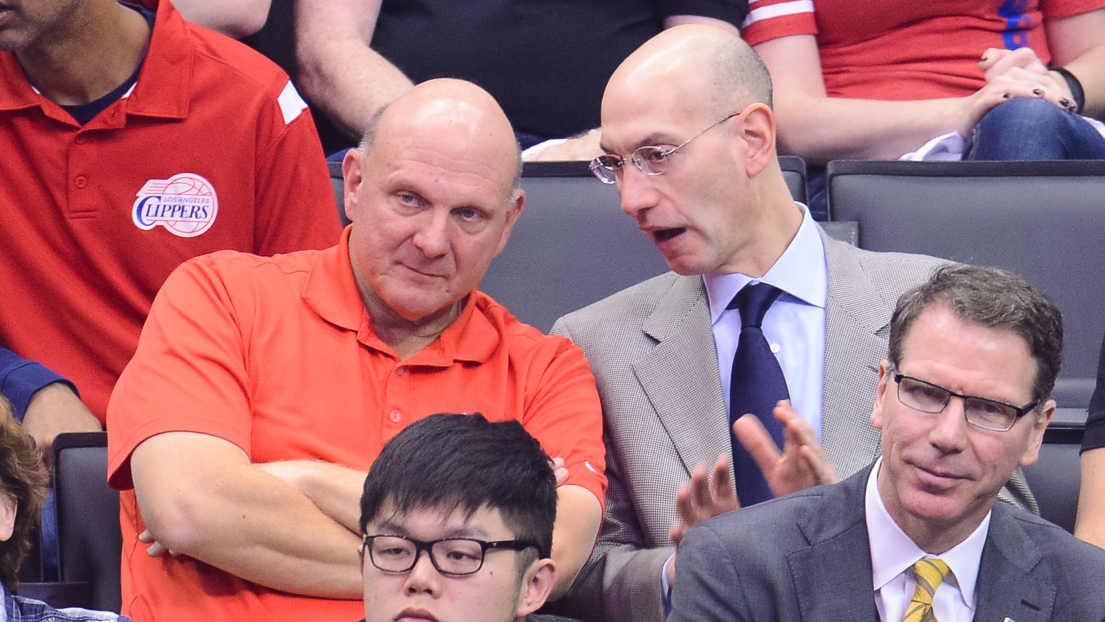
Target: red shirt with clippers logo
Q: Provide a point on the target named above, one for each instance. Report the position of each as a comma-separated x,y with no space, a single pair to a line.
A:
212,149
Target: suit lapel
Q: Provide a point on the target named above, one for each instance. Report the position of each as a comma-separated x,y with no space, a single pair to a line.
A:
1007,586
856,322
832,577
680,375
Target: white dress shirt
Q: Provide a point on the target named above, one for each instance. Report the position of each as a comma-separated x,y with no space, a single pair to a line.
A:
794,324
893,554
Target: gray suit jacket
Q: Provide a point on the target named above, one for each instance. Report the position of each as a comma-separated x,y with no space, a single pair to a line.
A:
807,557
652,351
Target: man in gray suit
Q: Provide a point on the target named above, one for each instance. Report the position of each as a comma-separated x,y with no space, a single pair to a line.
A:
962,400
689,137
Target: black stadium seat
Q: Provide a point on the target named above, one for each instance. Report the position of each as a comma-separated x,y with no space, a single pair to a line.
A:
89,540
1056,477
1042,220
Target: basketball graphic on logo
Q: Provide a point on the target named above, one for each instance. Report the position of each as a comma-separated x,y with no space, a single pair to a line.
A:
185,204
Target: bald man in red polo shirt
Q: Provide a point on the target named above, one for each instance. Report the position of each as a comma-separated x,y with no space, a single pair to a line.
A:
263,388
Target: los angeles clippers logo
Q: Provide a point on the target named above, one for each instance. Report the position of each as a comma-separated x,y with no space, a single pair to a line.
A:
185,204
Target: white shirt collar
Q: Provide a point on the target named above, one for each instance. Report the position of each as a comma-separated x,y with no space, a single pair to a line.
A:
793,272
896,552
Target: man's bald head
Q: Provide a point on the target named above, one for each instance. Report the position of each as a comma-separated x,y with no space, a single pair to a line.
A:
453,110
720,69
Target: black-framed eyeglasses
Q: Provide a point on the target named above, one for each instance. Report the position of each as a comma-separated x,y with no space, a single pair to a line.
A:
980,412
454,557
650,159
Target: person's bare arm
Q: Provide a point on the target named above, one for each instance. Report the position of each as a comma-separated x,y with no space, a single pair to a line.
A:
200,496
821,128
1090,524
338,71
236,18
55,409
578,517
1078,45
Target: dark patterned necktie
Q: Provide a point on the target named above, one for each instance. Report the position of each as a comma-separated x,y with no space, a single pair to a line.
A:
756,384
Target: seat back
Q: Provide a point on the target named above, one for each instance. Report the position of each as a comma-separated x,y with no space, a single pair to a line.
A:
338,185
89,541
1041,220
794,172
1056,477
572,246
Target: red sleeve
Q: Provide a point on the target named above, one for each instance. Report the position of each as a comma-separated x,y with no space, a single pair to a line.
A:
774,19
564,414
295,203
188,374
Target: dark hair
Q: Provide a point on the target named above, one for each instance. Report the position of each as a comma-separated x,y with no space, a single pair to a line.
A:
993,298
23,479
451,462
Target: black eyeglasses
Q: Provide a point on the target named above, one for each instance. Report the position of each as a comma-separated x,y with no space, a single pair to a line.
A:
650,159
454,557
979,411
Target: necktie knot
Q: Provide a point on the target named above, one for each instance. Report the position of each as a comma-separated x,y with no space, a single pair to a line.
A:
930,573
753,301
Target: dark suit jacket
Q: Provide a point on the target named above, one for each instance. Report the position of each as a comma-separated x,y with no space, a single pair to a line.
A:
652,351
807,557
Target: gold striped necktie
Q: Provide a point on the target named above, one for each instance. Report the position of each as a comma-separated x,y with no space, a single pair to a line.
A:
930,573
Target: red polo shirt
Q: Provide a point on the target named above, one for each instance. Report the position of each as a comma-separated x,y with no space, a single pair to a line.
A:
278,356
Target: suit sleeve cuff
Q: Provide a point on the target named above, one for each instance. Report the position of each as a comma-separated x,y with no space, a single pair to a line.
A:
665,586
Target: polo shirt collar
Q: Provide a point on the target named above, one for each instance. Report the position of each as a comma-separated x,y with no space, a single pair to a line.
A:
163,85
331,292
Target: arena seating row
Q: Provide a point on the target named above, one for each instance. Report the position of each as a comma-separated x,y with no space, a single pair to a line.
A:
574,246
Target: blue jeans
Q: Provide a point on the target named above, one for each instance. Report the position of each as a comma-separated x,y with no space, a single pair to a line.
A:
1033,129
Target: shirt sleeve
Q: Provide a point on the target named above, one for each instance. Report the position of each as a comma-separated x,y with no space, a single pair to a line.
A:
20,379
775,19
188,373
564,414
732,11
1094,437
295,204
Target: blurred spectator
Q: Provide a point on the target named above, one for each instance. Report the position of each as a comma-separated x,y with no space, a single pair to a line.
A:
134,141
545,62
22,491
879,80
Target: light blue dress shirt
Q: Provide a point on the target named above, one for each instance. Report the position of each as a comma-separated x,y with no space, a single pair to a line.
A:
794,325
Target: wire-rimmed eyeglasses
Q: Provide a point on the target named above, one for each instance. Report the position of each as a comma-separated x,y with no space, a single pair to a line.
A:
455,557
979,411
650,159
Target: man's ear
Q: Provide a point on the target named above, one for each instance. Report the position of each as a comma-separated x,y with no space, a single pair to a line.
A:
537,583
1036,435
352,173
880,393
8,507
757,128
513,211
